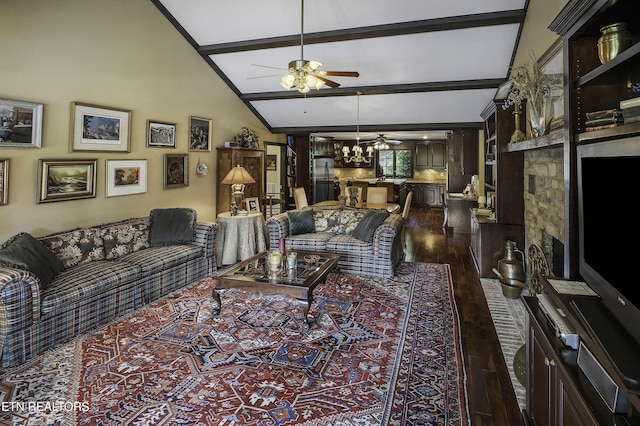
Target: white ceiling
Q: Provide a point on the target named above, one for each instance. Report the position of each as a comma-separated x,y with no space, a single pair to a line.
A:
423,64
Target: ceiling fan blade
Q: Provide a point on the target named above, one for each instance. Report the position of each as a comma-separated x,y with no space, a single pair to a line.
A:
328,82
341,73
264,76
267,66
311,65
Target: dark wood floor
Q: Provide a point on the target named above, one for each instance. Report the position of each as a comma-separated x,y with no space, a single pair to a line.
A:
492,400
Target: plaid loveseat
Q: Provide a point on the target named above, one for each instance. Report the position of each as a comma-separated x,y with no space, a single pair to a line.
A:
333,233
108,270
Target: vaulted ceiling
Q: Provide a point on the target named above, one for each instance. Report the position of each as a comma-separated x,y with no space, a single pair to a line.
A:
425,65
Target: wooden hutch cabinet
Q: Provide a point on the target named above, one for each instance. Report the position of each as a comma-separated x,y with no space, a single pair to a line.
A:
249,158
504,176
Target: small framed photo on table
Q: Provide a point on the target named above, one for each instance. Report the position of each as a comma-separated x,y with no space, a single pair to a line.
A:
253,204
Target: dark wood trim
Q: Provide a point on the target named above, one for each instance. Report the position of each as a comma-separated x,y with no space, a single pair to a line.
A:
377,128
377,90
388,30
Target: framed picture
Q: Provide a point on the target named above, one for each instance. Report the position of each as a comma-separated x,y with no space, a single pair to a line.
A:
551,62
503,91
64,180
161,134
20,124
126,177
97,128
176,170
253,204
4,182
199,134
272,162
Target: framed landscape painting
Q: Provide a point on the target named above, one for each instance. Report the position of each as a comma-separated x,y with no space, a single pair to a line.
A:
199,134
96,128
64,180
20,124
176,170
161,134
126,177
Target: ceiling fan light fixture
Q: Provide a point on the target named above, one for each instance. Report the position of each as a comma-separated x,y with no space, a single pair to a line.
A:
288,81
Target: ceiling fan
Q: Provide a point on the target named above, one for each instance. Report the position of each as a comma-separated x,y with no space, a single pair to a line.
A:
382,142
304,74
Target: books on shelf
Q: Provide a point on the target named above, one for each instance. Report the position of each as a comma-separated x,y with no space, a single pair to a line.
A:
630,103
604,119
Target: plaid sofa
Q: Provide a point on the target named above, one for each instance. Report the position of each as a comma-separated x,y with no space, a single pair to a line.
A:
109,270
333,227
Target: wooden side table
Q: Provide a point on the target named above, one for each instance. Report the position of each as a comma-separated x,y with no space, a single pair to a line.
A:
239,237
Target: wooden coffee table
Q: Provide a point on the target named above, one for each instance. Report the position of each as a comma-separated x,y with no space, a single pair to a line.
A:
252,275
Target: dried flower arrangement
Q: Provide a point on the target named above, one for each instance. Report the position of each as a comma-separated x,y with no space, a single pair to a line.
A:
247,138
530,83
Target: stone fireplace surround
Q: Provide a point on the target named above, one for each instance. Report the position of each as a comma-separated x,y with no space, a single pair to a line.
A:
544,204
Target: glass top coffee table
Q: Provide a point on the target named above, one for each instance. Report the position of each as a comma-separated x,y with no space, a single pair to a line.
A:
253,274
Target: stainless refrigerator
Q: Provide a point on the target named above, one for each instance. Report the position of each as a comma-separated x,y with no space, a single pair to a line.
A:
322,179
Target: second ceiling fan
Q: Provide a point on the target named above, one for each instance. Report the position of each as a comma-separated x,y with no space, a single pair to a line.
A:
305,75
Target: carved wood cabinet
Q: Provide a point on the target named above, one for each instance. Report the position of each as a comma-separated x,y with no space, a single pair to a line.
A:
249,158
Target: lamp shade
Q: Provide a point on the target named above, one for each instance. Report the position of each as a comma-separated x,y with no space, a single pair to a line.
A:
238,174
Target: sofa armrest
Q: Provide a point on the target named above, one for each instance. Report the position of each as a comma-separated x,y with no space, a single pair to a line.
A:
278,227
19,301
206,237
387,232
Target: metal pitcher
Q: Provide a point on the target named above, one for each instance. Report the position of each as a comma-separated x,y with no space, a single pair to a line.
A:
510,267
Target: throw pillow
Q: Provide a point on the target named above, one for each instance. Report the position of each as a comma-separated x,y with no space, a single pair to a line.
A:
23,251
301,221
367,226
172,226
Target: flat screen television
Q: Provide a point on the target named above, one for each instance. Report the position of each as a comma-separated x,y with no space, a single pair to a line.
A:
609,227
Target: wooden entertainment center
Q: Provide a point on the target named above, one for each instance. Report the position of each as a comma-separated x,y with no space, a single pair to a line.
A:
561,390
558,390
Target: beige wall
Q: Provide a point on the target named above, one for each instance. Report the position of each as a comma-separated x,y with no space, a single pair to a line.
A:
536,37
118,53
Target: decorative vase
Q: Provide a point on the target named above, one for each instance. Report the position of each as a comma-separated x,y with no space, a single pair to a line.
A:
539,113
614,39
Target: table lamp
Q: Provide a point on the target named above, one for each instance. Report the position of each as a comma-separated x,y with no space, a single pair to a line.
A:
237,177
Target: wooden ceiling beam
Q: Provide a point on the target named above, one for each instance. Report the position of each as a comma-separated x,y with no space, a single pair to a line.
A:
441,86
387,30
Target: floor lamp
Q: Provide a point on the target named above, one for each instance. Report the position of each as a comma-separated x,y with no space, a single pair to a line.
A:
237,177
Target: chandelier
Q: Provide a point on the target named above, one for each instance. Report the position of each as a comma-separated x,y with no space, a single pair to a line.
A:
357,156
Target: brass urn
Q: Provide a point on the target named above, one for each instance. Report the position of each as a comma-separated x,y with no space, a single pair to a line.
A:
614,39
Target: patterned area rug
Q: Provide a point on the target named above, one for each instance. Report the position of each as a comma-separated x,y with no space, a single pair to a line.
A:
379,352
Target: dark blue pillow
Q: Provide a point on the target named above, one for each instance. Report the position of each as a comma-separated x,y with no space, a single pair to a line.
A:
23,251
367,226
301,221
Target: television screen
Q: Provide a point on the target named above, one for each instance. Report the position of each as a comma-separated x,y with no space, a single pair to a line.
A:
608,226
611,222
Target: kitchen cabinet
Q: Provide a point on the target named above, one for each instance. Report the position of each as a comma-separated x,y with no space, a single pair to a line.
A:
426,194
253,161
431,155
